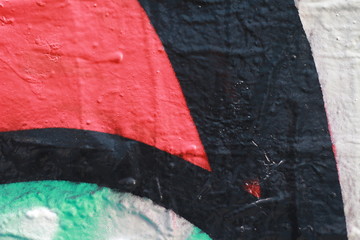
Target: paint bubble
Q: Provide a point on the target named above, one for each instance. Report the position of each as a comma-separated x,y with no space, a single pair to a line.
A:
95,44
129,182
40,3
6,20
115,57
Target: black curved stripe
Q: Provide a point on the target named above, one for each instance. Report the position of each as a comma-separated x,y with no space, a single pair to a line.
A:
121,164
215,202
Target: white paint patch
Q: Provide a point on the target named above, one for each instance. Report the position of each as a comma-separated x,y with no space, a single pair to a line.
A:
136,218
332,27
41,212
34,224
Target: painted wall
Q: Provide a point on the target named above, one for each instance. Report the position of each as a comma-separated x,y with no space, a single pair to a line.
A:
57,210
178,120
332,28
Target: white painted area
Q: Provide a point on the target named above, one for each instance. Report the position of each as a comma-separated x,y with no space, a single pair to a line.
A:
333,29
34,224
41,212
139,219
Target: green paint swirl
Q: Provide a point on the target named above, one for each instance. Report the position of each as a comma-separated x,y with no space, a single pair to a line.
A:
84,211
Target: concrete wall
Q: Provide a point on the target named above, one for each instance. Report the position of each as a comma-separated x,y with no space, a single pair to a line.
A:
333,29
179,120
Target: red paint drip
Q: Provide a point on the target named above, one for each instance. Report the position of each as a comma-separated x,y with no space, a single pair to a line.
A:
253,187
100,67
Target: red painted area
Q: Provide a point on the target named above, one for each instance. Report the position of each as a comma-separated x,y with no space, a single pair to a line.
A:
332,141
334,149
333,146
253,187
93,65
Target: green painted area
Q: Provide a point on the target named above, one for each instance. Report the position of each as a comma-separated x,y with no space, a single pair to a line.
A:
197,234
80,208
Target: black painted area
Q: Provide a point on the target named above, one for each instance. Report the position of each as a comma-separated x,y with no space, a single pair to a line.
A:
249,79
125,165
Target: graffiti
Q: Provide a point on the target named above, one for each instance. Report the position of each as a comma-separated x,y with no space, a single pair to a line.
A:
52,210
134,99
332,29
177,120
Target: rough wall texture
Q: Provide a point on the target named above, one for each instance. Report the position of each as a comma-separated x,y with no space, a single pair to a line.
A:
211,109
333,30
57,210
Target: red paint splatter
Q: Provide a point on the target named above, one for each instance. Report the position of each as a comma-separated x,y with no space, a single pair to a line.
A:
101,67
253,187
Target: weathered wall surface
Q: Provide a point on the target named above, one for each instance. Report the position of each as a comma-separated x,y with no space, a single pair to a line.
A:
333,29
174,116
58,210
